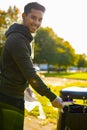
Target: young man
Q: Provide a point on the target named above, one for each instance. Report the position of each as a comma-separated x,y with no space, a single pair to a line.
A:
16,65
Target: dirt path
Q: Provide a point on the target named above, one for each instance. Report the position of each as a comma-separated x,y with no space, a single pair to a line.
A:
33,123
61,81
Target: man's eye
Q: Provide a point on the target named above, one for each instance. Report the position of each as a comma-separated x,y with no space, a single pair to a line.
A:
33,17
40,20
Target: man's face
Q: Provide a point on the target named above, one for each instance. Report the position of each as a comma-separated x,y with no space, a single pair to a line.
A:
33,20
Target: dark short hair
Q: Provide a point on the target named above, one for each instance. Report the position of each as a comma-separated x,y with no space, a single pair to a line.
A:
33,5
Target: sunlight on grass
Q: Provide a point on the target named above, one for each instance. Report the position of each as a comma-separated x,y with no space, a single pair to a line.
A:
80,75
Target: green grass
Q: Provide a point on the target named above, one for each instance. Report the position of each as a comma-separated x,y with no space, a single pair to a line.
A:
77,75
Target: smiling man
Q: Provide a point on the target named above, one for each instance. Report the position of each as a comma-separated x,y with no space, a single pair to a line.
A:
17,70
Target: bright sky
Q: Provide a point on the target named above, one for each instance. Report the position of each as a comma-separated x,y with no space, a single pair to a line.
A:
66,17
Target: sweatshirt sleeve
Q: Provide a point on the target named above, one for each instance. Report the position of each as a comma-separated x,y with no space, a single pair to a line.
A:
41,87
20,52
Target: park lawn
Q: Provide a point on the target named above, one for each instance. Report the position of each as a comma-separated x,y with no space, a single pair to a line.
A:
76,75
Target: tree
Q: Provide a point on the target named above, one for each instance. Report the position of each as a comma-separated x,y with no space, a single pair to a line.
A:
82,61
9,16
66,54
12,15
45,47
51,49
6,19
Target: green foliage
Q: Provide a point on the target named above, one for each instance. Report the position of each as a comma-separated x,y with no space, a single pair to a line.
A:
51,49
9,16
82,60
2,18
6,19
45,47
65,55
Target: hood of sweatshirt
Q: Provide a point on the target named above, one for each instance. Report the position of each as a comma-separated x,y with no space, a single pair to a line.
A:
19,28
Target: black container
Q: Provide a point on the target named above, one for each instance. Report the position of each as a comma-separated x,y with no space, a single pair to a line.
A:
73,117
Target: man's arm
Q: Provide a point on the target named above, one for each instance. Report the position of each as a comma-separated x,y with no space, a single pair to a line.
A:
23,60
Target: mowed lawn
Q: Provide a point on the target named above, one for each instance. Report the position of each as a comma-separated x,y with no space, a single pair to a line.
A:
77,75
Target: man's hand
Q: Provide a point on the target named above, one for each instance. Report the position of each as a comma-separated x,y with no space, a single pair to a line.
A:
57,102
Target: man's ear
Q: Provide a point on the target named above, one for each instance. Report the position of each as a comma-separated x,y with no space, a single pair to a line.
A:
23,15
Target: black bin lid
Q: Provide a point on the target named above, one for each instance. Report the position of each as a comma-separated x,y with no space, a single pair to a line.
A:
74,92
